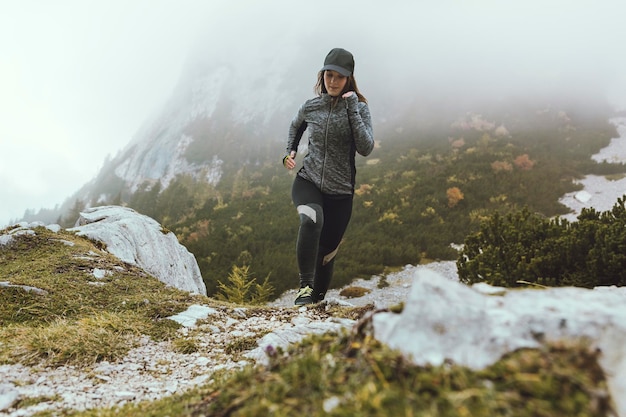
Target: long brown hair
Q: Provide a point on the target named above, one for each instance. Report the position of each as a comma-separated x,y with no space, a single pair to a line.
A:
320,87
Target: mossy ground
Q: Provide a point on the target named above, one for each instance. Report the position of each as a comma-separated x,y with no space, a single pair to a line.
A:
342,376
80,318
77,322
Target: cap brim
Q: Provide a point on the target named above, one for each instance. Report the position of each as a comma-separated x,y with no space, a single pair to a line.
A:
337,68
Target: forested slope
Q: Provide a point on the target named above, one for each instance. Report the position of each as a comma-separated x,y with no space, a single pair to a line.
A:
425,186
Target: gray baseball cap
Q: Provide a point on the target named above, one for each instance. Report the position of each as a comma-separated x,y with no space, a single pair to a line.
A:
339,60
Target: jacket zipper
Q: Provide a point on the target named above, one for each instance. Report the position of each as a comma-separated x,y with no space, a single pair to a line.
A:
330,111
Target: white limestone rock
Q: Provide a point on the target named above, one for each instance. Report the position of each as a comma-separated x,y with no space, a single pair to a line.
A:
27,288
446,320
8,396
21,229
189,317
54,228
300,328
140,240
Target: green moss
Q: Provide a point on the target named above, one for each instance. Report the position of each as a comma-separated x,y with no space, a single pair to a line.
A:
354,292
334,375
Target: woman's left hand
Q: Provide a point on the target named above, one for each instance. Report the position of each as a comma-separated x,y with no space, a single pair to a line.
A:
347,94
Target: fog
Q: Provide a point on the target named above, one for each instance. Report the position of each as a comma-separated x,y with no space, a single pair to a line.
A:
79,77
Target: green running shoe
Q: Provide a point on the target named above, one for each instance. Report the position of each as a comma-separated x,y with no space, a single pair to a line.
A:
305,296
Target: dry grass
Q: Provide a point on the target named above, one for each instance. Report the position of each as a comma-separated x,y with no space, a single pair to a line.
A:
104,336
78,319
79,323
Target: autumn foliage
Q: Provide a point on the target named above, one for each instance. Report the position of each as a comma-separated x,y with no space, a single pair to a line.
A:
454,196
523,162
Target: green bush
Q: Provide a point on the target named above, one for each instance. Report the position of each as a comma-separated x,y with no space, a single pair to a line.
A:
524,246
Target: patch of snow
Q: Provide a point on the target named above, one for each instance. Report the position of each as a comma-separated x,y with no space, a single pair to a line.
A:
616,151
598,192
8,396
54,228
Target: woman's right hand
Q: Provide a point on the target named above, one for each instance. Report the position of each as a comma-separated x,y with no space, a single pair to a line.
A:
289,161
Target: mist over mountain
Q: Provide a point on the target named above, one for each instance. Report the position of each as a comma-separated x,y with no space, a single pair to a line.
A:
418,66
465,124
224,115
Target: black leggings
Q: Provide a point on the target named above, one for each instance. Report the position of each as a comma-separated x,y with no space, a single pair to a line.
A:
323,222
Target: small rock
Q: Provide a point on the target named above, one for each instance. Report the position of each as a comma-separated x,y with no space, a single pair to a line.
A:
8,396
99,273
54,228
125,395
202,361
65,242
6,240
189,317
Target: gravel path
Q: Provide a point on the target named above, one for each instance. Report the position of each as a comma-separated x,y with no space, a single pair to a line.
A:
155,369
396,290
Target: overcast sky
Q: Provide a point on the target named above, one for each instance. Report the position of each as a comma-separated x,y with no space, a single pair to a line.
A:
79,77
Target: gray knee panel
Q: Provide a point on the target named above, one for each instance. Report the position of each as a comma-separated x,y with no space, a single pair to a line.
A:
311,214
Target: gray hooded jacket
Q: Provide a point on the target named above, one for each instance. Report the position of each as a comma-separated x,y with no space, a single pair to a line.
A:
337,129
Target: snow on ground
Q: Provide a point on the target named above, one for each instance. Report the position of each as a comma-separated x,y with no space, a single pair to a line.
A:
599,192
616,151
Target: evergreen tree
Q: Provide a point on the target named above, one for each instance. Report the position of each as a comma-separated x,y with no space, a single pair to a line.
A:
527,247
241,288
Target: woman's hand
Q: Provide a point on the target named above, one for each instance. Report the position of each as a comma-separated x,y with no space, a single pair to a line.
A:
347,94
289,161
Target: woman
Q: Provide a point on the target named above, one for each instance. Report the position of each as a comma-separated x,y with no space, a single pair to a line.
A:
339,125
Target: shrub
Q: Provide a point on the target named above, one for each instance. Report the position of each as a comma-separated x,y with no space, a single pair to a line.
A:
241,288
454,195
526,246
523,162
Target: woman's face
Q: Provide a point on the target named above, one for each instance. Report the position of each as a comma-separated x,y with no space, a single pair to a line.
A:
334,82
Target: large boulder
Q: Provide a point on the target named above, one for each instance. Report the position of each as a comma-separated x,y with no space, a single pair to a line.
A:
140,240
444,320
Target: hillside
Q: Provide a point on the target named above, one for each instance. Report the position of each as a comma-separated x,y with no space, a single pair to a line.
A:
76,344
422,189
432,178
